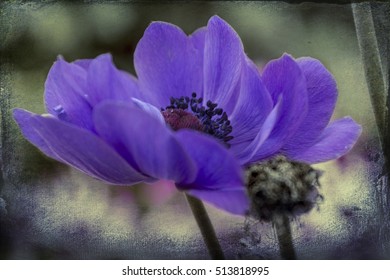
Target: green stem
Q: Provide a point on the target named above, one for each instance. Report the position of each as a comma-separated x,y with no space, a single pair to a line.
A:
206,228
365,31
283,231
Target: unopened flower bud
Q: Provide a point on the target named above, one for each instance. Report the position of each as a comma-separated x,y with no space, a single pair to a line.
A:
279,186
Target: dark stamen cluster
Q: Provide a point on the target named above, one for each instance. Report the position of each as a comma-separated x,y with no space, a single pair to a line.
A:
214,120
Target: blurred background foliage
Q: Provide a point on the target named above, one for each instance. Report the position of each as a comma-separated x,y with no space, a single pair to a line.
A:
50,211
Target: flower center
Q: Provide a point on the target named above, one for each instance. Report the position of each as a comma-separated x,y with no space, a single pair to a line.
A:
185,112
179,118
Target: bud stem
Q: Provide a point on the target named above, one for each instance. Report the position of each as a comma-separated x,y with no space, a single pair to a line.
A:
206,228
283,231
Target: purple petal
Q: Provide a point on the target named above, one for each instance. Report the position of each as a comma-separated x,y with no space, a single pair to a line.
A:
253,106
219,179
65,94
150,109
76,147
223,56
23,119
336,140
197,39
167,64
234,201
216,169
106,82
322,96
284,79
144,142
254,151
84,63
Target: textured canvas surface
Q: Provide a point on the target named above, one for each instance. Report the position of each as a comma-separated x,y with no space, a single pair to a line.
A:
51,211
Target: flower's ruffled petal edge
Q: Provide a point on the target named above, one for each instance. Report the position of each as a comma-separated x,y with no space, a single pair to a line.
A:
106,82
77,147
219,180
322,97
223,58
73,89
104,67
114,85
253,106
335,141
144,142
287,86
65,94
84,63
168,63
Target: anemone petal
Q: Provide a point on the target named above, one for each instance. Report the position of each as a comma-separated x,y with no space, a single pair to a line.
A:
77,147
106,82
322,97
167,64
65,94
223,56
253,106
335,141
284,79
146,143
219,180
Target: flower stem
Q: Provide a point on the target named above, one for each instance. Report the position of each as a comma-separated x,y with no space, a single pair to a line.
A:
283,231
374,71
206,228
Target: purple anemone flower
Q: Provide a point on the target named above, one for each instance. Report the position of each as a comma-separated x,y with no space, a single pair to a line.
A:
197,112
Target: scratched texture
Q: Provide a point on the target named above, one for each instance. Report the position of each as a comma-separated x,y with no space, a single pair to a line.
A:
50,211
